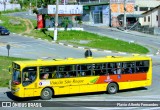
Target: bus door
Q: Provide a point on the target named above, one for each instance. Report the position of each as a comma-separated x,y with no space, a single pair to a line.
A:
29,76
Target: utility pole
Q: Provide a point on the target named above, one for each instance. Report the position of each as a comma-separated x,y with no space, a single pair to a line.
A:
30,4
64,2
110,13
56,21
21,4
36,3
4,2
124,21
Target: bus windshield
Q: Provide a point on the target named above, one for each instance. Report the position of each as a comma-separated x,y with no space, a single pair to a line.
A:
16,76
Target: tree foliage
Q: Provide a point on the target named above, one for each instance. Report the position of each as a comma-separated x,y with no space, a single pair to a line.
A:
47,2
65,22
38,3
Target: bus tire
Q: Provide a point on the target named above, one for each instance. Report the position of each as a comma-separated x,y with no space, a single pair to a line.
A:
112,88
46,94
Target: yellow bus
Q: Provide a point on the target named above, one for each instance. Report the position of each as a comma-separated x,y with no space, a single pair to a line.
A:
46,78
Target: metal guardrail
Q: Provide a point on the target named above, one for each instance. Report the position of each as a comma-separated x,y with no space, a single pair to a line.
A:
144,29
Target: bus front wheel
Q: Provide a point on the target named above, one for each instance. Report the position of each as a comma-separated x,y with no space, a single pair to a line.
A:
46,94
112,88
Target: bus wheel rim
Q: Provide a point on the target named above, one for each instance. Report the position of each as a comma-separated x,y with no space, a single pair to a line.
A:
46,93
112,88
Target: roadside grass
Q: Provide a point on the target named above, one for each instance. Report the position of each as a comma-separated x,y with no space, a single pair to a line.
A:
101,42
19,28
91,40
5,62
34,22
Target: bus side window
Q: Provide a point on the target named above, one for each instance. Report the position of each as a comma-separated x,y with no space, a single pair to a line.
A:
81,70
97,69
128,67
54,74
113,68
67,70
102,69
142,66
60,75
88,70
26,76
60,71
46,72
109,69
119,70
146,66
29,75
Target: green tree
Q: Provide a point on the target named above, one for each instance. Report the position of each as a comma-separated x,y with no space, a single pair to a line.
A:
79,19
47,2
35,11
21,3
65,22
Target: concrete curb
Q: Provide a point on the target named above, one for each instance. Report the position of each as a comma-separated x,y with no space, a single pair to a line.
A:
84,48
94,49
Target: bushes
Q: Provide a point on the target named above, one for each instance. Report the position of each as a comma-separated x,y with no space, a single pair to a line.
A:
65,22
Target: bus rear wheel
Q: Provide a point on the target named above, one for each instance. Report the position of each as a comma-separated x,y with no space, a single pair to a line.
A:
112,88
46,94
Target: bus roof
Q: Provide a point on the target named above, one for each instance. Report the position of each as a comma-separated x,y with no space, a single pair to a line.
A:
68,61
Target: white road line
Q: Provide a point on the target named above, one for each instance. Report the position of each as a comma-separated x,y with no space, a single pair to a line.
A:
81,47
107,51
122,53
70,45
61,43
93,49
